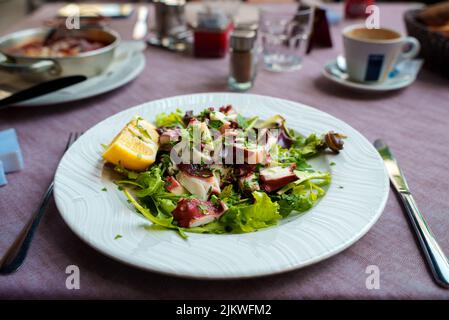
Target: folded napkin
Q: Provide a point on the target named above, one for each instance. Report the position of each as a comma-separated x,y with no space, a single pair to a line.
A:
3,180
10,153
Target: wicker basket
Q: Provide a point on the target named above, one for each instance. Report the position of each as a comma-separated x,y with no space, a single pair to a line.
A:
434,45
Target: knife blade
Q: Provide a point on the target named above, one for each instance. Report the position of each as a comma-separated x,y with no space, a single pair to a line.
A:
40,89
397,177
437,260
140,28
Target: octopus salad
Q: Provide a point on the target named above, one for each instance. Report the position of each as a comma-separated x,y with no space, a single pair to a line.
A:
218,171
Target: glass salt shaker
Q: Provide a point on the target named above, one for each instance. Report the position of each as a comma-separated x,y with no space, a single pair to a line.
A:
243,60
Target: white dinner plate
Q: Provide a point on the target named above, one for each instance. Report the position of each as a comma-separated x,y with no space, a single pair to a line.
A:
128,63
354,201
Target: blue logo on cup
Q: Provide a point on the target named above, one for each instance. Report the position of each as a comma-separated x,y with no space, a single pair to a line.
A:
374,67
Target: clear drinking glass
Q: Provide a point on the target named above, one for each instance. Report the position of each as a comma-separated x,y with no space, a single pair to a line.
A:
285,34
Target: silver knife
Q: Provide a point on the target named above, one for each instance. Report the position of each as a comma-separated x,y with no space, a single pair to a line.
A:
141,28
434,254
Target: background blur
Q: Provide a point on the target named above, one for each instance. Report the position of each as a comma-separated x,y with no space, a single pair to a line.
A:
13,10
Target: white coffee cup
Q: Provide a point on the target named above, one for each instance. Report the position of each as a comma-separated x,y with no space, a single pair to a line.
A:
371,54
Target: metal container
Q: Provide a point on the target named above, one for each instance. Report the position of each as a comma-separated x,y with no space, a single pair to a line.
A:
170,22
36,69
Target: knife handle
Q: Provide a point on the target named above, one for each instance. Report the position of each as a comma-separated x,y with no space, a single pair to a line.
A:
433,252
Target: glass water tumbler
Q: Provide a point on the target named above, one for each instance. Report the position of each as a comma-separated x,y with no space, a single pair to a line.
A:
285,35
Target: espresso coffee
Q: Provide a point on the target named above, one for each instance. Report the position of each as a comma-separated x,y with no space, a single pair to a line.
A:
371,54
372,34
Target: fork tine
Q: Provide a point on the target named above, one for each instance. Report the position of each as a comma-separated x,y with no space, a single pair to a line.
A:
73,136
69,141
78,135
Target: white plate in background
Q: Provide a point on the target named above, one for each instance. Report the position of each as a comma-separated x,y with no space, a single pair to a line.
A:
128,63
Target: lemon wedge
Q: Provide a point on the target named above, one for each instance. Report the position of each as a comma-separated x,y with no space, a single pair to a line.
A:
135,147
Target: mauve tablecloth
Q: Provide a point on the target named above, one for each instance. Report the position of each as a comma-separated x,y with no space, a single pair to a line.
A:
413,121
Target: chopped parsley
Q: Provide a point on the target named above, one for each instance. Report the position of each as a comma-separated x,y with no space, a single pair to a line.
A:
203,208
215,124
241,121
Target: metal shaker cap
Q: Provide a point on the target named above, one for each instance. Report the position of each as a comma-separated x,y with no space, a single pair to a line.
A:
171,2
243,40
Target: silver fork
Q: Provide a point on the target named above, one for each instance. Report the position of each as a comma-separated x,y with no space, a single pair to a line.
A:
17,253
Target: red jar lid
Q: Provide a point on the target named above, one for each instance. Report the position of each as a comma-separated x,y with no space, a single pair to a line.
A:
211,43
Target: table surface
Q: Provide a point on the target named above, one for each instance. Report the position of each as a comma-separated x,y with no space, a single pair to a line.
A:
413,121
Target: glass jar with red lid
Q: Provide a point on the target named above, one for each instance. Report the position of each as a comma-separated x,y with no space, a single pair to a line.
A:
211,36
357,8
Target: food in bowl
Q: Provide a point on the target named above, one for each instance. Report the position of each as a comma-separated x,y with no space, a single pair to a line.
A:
41,56
61,47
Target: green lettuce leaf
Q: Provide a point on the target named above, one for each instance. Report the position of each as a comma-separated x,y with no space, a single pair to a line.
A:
170,120
213,227
289,156
294,202
247,218
300,198
151,182
166,222
309,146
317,177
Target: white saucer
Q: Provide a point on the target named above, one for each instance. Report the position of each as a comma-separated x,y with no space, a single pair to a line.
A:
403,76
128,63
